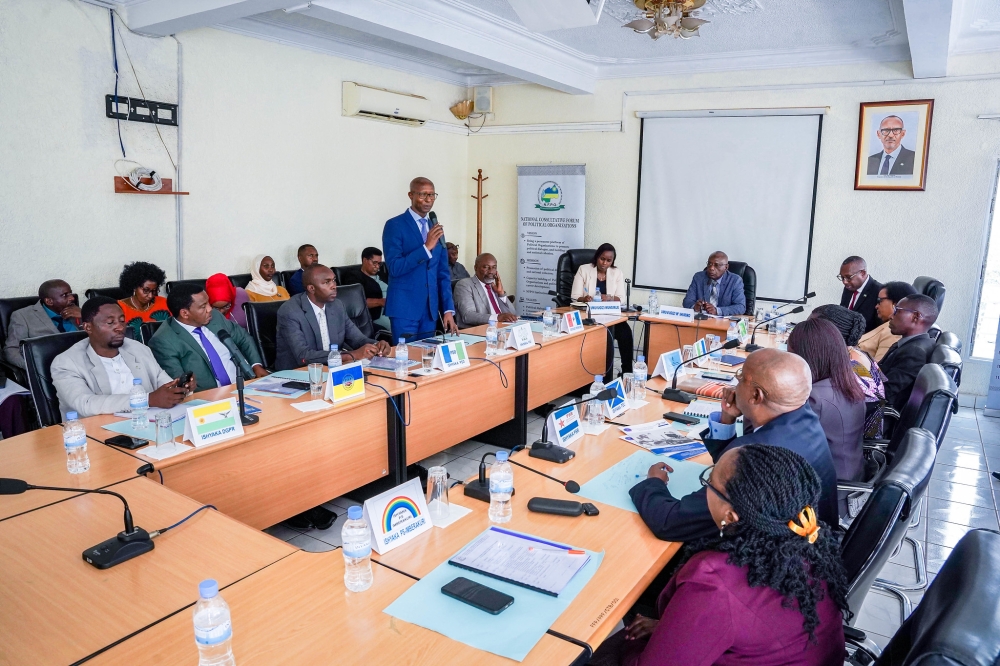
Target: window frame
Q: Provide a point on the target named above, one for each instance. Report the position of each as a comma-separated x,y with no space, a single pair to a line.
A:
988,233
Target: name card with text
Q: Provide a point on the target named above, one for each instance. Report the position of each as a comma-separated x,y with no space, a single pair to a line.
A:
564,425
397,516
667,363
451,356
570,322
213,422
520,337
671,313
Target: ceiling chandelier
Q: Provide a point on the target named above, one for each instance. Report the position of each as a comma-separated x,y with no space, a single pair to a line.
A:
668,17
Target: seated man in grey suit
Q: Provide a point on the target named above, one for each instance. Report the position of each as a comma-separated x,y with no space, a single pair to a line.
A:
308,323
481,296
95,375
55,312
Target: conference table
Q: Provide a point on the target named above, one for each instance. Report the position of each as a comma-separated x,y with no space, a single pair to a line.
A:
661,335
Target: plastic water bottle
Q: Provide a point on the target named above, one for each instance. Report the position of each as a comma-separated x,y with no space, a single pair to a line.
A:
595,414
639,374
491,336
548,323
597,294
138,403
402,359
733,333
501,488
213,628
334,360
653,303
75,441
772,323
357,546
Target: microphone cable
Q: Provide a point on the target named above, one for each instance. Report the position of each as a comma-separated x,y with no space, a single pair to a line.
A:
393,402
156,533
503,376
583,342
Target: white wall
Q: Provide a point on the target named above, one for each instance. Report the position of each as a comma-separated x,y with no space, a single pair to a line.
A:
938,232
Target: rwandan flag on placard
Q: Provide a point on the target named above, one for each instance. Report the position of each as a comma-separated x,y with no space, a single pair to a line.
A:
348,382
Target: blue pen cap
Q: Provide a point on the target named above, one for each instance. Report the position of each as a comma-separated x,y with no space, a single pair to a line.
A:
355,512
502,456
208,588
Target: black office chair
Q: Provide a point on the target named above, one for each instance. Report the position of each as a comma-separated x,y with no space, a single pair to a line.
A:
38,355
7,307
352,297
132,335
950,360
262,325
949,339
929,286
749,277
197,283
147,330
116,293
566,268
881,525
933,399
958,620
241,280
285,277
341,272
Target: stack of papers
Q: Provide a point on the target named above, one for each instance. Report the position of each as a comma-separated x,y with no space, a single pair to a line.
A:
311,405
663,438
273,384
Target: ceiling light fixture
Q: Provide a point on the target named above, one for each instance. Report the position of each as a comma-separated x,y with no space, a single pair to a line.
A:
668,17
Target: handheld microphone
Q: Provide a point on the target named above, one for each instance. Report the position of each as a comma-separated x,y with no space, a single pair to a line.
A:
432,217
546,450
673,393
752,347
246,419
134,541
237,355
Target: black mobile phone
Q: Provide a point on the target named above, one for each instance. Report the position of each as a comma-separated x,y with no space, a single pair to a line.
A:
680,418
299,386
126,442
478,596
185,378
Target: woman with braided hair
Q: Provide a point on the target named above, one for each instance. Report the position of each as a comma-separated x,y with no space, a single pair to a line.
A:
768,590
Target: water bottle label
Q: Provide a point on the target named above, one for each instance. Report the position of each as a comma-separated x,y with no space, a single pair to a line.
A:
138,403
75,441
497,488
215,635
357,550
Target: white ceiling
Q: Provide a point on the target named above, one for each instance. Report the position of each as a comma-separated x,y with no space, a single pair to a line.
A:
471,42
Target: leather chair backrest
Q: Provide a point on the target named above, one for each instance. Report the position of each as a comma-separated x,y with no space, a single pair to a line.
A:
262,325
932,287
341,271
352,297
882,523
950,360
958,618
931,400
116,293
566,268
131,334
241,280
949,339
198,283
147,330
749,276
282,277
9,306
38,355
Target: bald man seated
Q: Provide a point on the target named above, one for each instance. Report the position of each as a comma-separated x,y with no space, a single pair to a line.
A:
772,395
715,290
479,297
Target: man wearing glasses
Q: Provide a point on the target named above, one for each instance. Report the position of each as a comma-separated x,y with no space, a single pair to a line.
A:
375,282
860,290
893,159
715,290
419,275
911,318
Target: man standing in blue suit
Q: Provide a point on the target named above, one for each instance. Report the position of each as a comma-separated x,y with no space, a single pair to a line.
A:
420,277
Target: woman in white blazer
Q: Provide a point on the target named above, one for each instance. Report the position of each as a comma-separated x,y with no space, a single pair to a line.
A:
602,274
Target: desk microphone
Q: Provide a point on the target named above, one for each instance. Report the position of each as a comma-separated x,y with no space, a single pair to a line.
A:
570,486
245,419
480,488
134,541
752,347
546,450
673,393
237,355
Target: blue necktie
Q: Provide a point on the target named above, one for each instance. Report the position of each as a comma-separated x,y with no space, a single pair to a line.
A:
424,228
885,166
218,369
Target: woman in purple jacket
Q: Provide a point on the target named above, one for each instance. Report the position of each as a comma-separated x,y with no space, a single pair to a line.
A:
770,590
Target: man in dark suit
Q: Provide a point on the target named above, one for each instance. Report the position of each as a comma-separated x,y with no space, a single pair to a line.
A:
308,323
307,256
893,159
911,318
860,290
772,394
419,275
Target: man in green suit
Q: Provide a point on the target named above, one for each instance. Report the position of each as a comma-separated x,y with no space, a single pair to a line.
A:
199,339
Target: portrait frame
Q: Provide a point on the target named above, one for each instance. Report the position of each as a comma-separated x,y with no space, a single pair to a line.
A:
906,137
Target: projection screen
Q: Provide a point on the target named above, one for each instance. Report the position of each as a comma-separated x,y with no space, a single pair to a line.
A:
743,184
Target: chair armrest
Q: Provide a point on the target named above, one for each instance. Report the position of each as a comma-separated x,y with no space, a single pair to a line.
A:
855,486
854,634
865,650
890,412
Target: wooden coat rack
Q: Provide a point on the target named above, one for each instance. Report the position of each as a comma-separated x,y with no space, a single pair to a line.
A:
479,196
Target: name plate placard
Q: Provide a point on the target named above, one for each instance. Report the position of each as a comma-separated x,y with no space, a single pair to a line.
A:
520,337
671,313
570,322
451,356
605,309
667,363
397,516
564,425
213,422
345,383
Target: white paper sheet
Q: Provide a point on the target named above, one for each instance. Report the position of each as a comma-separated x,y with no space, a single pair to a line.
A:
311,405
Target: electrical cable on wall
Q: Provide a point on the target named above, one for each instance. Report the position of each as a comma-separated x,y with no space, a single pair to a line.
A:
114,56
134,177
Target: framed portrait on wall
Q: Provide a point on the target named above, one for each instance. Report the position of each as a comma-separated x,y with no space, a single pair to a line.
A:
893,140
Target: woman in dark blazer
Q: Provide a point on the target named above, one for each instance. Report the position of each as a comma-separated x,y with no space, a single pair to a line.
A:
836,397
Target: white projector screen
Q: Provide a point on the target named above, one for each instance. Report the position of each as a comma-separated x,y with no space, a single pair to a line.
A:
741,184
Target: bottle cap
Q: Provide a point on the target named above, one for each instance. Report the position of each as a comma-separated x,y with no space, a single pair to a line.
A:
136,382
598,378
333,348
72,416
355,512
502,456
208,588
642,359
548,308
402,341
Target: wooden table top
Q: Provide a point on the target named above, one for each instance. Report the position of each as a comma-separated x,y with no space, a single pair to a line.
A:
55,608
298,611
712,323
39,458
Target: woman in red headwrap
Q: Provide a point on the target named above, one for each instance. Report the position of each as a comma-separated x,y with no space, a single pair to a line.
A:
226,298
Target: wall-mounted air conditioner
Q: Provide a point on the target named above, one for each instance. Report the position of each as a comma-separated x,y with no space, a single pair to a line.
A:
386,105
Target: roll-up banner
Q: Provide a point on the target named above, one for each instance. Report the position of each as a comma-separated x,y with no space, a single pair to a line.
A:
550,211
